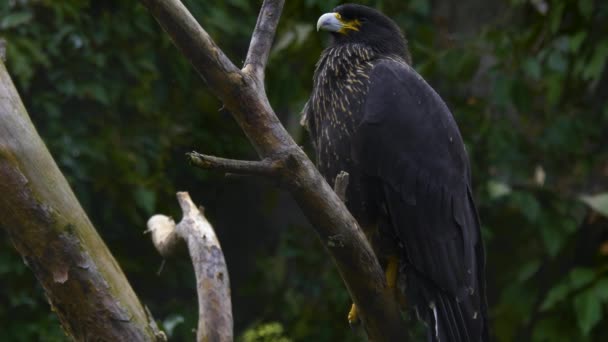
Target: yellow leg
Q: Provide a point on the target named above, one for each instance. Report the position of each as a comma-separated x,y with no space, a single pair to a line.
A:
353,315
391,281
391,271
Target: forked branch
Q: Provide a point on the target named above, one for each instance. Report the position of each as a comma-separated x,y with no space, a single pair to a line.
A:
243,94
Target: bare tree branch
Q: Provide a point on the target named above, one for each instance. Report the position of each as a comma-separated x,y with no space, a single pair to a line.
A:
243,96
194,42
215,322
262,38
266,167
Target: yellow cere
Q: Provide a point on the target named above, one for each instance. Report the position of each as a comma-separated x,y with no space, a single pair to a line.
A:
348,25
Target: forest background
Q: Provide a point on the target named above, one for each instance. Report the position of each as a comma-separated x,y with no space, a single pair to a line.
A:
118,107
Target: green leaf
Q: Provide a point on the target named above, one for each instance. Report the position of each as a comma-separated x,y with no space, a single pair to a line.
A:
498,189
557,294
146,200
586,8
595,66
552,239
557,62
528,205
599,202
528,270
577,40
15,19
421,7
601,289
581,276
532,68
556,16
588,311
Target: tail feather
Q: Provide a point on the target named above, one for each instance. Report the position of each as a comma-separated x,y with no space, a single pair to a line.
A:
450,321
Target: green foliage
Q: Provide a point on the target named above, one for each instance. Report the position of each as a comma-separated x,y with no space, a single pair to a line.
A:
598,202
269,332
118,107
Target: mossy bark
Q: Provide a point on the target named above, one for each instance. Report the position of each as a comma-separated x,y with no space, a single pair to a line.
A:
82,281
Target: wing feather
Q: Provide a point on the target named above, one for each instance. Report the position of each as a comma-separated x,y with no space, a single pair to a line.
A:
409,140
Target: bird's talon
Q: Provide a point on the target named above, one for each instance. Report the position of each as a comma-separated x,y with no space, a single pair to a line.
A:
353,317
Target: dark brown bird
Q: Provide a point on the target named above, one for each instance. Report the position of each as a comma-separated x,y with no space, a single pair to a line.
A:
371,115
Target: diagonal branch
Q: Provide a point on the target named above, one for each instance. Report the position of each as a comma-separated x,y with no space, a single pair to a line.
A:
194,42
266,167
261,40
336,227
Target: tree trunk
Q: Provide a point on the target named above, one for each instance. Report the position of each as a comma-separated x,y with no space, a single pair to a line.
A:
82,281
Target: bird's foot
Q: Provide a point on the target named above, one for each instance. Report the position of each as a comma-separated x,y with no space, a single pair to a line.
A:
392,271
353,317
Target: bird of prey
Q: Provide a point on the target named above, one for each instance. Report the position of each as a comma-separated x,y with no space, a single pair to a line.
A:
371,115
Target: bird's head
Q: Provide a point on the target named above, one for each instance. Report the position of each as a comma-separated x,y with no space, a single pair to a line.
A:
351,23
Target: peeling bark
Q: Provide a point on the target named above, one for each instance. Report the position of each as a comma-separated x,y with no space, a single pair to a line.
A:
81,279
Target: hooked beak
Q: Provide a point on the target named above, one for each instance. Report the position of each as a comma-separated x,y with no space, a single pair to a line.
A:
330,22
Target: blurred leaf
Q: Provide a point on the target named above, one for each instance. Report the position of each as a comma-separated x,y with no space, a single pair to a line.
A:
557,62
498,189
586,8
557,294
146,200
577,40
588,311
171,322
15,19
601,289
580,277
268,332
527,204
598,202
528,270
595,66
532,68
555,15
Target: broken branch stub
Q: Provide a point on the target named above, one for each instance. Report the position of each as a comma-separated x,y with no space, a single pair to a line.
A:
213,286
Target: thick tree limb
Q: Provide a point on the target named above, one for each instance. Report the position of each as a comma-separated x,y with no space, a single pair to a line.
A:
83,283
266,167
243,95
213,286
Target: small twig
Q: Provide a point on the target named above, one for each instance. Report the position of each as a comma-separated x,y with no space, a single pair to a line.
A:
341,184
264,167
262,38
213,286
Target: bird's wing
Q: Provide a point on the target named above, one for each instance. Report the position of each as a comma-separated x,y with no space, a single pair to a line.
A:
409,140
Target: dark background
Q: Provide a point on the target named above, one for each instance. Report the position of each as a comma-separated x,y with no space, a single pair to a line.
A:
119,107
